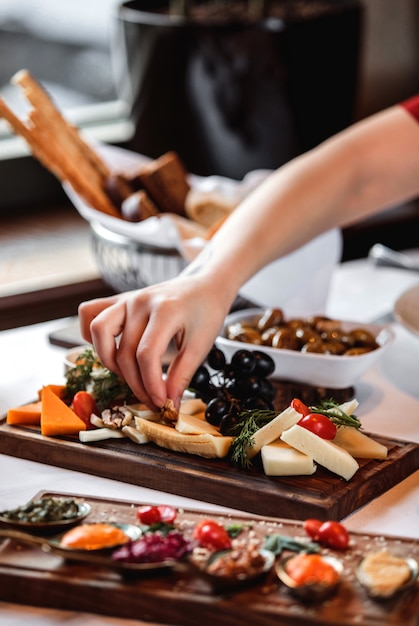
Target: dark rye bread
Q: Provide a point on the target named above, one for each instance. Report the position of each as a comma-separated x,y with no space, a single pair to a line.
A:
165,180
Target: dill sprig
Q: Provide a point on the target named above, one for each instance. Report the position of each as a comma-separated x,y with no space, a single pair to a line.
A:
335,414
249,422
105,386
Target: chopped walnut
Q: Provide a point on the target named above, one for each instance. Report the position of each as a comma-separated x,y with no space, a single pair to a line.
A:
116,417
168,412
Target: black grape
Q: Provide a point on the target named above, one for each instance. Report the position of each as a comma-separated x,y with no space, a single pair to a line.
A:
216,359
243,363
264,364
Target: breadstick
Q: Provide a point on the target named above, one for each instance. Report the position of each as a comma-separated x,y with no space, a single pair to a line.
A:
43,105
59,147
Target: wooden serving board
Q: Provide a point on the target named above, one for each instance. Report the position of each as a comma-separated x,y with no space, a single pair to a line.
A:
180,596
323,495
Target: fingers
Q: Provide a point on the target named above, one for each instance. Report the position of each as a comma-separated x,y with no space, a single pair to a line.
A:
89,310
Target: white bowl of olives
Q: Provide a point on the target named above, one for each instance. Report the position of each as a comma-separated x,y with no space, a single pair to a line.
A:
315,350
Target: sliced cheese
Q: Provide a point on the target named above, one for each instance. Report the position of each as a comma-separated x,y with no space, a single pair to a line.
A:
195,425
193,406
349,407
324,452
358,444
205,445
273,430
280,459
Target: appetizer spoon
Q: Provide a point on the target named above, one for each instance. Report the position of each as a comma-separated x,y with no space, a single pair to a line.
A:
99,558
386,257
309,592
377,594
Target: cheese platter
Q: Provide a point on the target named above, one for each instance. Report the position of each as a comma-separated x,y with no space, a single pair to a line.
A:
178,594
323,494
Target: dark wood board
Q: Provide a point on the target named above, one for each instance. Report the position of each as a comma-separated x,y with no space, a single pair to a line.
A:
30,576
323,495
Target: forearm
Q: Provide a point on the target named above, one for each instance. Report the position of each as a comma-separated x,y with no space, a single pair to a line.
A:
367,168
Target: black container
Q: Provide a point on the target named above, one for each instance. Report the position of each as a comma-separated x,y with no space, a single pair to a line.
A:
231,97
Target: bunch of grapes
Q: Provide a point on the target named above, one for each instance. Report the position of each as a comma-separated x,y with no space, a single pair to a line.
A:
234,387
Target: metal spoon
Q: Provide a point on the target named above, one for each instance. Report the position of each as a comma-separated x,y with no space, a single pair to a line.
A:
384,256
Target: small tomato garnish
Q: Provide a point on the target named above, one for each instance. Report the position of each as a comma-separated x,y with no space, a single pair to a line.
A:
334,535
312,527
83,406
212,535
319,424
300,407
150,514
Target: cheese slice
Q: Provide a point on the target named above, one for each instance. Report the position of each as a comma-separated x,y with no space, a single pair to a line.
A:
280,459
195,425
205,445
358,444
273,430
324,452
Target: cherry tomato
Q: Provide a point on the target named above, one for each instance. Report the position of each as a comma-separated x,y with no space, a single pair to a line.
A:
319,424
167,513
149,514
300,407
312,526
212,535
83,406
334,535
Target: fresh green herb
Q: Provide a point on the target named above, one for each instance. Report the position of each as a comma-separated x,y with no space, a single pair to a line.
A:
105,386
78,377
248,424
234,530
159,527
278,543
46,509
335,414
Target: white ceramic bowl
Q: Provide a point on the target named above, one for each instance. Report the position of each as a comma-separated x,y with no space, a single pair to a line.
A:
321,370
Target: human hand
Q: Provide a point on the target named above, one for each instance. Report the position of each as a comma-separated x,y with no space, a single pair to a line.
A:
132,331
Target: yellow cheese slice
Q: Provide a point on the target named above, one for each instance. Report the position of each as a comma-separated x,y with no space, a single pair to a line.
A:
195,425
358,444
280,459
205,445
324,452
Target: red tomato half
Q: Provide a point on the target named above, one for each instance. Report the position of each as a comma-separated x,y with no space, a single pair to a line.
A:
312,527
319,424
148,514
167,513
83,406
300,407
153,514
334,535
209,534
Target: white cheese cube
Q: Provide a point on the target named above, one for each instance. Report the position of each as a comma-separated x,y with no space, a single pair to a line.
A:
280,459
324,452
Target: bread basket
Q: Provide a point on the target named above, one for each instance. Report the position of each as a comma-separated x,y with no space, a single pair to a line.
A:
127,264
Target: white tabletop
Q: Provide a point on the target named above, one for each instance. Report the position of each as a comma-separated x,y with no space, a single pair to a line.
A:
389,405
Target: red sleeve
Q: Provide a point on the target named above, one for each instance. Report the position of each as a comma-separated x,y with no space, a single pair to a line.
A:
412,106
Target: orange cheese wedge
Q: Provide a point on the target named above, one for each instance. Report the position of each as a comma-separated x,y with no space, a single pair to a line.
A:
56,417
26,414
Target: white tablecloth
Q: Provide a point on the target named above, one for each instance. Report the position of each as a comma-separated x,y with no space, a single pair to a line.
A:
389,405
